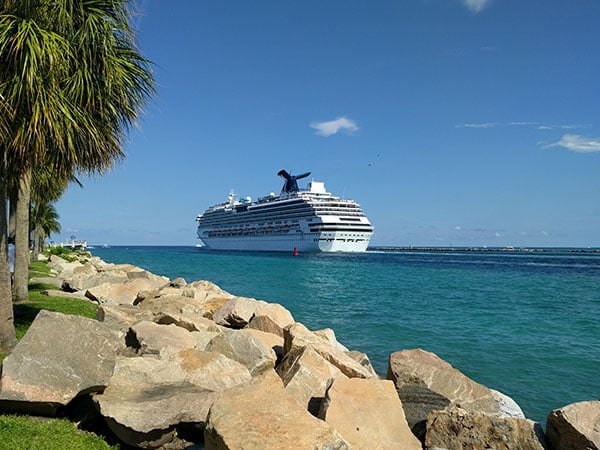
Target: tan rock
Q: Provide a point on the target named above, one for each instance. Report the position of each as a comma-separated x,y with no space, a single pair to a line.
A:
457,429
187,317
368,414
148,397
120,293
175,305
425,383
59,357
154,339
83,281
271,318
574,427
269,339
139,273
241,419
63,294
297,336
328,335
306,375
122,317
237,312
243,347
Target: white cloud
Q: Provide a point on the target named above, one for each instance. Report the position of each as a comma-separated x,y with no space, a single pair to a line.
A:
334,126
478,125
476,5
545,233
578,143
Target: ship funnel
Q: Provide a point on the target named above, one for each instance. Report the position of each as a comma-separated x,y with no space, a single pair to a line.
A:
291,184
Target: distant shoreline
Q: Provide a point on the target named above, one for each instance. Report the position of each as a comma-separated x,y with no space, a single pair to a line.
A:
486,249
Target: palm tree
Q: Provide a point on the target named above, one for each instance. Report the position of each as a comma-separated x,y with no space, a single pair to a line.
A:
72,77
44,221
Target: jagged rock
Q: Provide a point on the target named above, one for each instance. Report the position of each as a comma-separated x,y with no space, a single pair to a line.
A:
178,282
122,292
271,318
368,414
139,273
187,318
200,298
150,338
297,336
63,294
425,383
574,427
269,339
243,347
237,312
328,335
361,358
241,418
306,375
148,397
457,429
52,281
176,305
59,357
122,317
83,282
63,266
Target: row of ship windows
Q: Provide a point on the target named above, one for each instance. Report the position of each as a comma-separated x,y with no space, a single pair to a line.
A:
340,239
208,221
344,209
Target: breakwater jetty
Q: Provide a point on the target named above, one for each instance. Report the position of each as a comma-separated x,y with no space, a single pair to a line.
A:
485,249
173,364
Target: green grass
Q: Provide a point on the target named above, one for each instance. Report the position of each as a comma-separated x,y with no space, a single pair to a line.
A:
31,433
25,432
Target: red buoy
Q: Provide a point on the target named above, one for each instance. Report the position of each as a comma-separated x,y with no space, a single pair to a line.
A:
296,251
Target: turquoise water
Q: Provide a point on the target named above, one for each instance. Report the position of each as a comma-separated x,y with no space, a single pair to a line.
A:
526,324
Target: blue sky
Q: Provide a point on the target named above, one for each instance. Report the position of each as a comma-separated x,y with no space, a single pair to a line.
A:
451,122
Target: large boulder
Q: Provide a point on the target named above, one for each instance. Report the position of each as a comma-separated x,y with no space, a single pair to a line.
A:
425,383
62,266
574,427
457,429
153,339
262,416
297,336
237,312
148,397
52,281
121,292
188,318
243,347
83,281
306,375
122,317
60,357
269,339
271,318
368,414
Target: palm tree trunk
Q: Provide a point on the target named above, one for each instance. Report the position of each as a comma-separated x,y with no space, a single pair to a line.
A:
7,326
12,212
37,244
22,239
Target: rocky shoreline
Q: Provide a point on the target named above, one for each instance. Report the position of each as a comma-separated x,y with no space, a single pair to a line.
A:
170,364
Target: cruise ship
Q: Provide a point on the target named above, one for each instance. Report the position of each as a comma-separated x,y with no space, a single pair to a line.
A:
298,220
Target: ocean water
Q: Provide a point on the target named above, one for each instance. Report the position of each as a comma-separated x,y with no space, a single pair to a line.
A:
526,324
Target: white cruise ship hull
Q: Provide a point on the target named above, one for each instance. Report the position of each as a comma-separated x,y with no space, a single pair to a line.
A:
313,242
